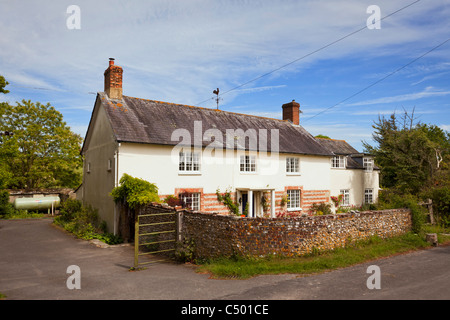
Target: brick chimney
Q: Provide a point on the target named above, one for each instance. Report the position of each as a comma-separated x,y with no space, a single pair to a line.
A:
291,112
113,80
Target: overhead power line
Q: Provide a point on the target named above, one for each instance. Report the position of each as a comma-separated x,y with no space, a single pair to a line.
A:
379,80
311,53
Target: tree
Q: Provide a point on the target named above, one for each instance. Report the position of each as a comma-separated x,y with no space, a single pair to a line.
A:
39,149
3,84
409,154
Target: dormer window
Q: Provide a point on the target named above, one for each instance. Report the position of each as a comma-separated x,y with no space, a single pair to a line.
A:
368,164
338,162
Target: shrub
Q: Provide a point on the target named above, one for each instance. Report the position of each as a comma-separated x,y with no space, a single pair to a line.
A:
5,207
321,208
69,208
135,191
441,204
172,201
84,222
389,199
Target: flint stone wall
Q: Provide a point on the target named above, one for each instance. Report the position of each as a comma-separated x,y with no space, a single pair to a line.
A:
217,235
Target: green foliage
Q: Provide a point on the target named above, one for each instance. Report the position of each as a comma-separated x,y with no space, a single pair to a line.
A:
185,251
226,199
441,204
84,222
409,155
393,199
135,191
3,84
5,207
322,136
42,152
321,208
69,209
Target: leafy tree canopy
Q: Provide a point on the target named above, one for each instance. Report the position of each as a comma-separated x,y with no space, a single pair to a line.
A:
411,155
37,148
3,84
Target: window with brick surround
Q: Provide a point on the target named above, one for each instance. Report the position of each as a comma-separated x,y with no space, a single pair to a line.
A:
293,199
190,200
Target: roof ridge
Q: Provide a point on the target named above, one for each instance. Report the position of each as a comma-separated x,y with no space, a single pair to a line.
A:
331,139
209,109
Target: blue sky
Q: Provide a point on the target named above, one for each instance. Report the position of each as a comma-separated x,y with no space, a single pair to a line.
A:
180,51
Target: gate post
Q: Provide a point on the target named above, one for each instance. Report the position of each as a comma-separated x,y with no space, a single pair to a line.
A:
180,216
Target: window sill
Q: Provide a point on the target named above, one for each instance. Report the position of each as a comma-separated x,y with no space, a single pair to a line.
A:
189,173
294,209
293,174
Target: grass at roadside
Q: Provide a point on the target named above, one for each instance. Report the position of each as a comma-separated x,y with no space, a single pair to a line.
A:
371,249
22,214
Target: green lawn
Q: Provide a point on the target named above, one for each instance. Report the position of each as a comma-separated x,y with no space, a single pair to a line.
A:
374,248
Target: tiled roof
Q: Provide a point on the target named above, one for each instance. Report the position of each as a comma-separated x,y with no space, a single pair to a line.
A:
153,122
339,147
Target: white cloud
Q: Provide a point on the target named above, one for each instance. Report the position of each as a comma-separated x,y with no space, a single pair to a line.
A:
427,92
180,50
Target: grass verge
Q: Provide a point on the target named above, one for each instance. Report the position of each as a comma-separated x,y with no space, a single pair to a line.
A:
359,252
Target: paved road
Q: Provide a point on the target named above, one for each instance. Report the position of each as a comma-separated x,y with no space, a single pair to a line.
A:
34,256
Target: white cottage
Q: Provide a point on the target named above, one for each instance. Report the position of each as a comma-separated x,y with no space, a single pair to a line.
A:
270,166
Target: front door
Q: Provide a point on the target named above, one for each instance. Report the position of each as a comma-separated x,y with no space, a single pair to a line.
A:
245,205
244,202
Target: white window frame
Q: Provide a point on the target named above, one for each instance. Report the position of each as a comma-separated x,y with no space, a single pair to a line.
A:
292,165
368,196
368,164
195,199
346,197
189,162
247,163
294,199
338,162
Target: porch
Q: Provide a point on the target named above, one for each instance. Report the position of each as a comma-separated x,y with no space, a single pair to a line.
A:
256,201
